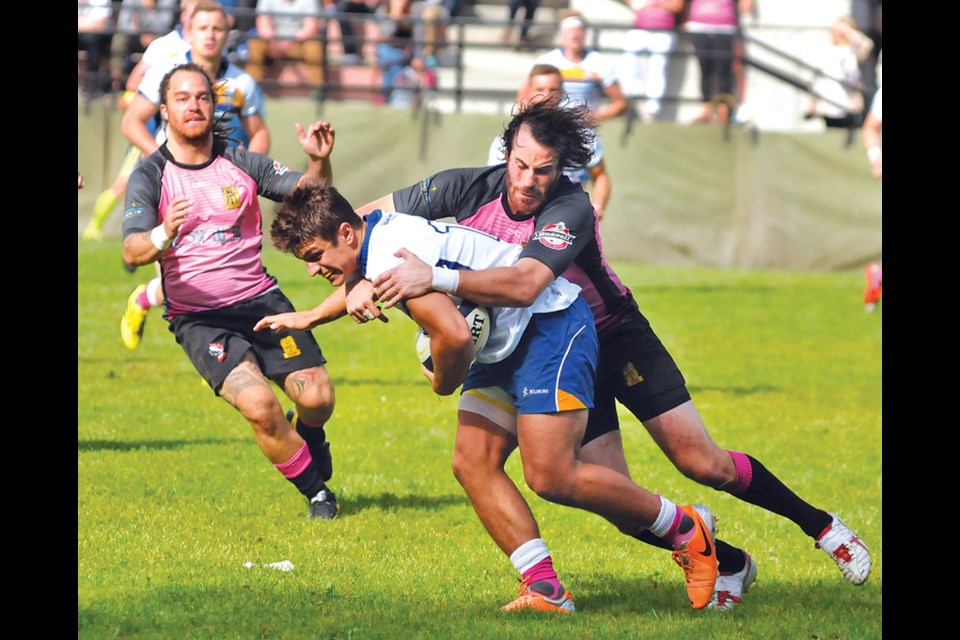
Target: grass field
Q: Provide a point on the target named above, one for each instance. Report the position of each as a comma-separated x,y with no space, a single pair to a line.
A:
174,497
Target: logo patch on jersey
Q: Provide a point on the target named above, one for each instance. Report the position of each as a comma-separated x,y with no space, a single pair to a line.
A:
631,376
554,236
290,348
231,197
427,190
134,210
217,351
279,169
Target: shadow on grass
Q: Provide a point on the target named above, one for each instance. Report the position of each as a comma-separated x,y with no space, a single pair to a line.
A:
359,382
733,284
735,391
159,445
392,502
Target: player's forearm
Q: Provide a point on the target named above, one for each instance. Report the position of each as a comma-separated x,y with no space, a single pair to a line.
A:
140,249
871,133
333,307
260,142
451,364
136,132
384,203
601,192
610,110
500,287
318,169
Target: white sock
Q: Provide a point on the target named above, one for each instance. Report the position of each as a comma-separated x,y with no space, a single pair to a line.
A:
529,554
153,291
668,513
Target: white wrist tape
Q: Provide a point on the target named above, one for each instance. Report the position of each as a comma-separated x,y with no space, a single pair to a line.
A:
158,236
446,280
873,153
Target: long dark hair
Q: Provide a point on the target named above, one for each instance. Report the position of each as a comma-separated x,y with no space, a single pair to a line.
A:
565,127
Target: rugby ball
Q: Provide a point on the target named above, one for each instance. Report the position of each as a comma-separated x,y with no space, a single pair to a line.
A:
478,320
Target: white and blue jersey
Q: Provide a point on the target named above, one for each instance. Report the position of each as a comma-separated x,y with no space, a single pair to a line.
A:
455,246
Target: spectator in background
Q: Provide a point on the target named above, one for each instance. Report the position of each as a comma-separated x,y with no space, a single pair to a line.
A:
643,70
589,77
405,64
529,8
545,80
868,16
873,143
139,23
94,25
287,30
836,88
352,32
244,14
714,30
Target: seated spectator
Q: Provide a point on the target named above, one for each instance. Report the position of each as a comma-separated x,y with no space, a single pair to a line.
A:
352,32
139,23
513,9
94,25
405,64
287,30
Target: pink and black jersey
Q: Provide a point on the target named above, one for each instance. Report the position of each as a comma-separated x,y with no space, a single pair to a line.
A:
564,234
215,259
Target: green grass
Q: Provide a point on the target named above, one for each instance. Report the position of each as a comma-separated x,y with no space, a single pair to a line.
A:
174,496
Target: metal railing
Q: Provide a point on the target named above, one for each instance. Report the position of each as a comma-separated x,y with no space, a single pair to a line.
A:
453,58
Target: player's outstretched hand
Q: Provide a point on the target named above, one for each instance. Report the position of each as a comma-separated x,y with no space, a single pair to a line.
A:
410,279
317,140
290,321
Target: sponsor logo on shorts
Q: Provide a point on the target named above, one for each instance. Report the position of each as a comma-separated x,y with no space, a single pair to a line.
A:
279,169
631,376
290,348
217,351
535,392
231,197
554,236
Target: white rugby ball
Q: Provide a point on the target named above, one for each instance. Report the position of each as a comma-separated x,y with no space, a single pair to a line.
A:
478,320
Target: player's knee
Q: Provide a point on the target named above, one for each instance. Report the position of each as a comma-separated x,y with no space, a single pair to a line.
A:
471,462
315,403
265,417
552,487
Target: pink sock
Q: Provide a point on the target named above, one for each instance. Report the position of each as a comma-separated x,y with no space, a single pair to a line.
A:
744,474
296,465
674,535
543,572
144,300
